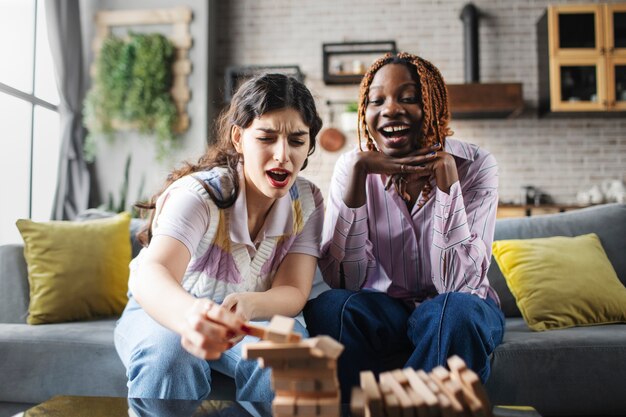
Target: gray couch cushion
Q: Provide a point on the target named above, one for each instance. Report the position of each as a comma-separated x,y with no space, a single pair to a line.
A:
59,359
13,284
608,221
549,370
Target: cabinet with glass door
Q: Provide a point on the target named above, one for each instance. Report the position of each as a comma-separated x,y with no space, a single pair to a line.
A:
582,58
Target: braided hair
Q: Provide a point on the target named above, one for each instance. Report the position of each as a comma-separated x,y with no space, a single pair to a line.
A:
433,100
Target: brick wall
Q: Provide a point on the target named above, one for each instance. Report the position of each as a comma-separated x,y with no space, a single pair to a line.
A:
560,156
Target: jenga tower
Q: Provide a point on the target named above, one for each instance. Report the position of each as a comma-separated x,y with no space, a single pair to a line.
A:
304,373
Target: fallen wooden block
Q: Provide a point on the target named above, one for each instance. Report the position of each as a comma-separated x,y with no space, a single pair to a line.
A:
358,403
325,346
453,391
406,404
420,388
472,381
372,393
391,401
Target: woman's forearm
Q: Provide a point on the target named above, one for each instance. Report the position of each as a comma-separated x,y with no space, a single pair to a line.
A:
354,195
283,300
161,296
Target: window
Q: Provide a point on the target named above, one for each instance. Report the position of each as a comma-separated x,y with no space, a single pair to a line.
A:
30,138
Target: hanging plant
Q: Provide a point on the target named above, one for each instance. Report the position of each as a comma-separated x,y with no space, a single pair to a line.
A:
132,86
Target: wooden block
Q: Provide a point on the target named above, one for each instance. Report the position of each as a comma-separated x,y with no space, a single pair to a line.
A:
358,403
329,407
328,346
475,405
284,406
315,374
471,380
298,363
310,407
308,395
432,386
261,332
444,406
280,328
272,350
372,393
323,388
406,404
281,384
400,377
420,388
392,403
456,364
470,399
441,376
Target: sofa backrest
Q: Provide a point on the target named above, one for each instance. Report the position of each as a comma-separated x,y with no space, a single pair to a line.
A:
608,221
14,289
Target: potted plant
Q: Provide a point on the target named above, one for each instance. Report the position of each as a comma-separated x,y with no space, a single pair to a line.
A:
349,118
131,88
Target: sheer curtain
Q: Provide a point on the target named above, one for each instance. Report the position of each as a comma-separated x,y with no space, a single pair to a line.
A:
64,34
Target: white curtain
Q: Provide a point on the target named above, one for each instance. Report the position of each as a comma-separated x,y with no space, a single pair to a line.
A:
64,34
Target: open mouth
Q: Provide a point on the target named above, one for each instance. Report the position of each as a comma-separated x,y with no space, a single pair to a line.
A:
396,135
278,177
395,131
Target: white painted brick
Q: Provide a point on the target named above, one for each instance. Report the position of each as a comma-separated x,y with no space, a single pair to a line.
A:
559,156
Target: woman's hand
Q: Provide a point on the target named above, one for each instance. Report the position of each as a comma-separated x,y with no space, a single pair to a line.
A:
380,163
242,304
209,329
412,167
443,167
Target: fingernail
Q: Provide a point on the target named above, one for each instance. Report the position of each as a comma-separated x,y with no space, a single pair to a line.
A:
438,144
432,153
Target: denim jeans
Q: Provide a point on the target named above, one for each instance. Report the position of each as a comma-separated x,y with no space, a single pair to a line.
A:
381,333
157,366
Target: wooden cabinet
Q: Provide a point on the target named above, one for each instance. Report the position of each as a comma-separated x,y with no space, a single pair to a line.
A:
582,58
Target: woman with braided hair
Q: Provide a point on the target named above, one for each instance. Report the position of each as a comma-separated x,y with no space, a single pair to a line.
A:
407,234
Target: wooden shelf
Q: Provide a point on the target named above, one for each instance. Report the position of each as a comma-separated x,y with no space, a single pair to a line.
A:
338,71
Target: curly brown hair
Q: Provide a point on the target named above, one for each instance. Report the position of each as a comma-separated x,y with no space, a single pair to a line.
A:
433,100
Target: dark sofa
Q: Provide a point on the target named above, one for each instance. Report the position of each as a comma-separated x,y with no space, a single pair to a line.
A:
571,372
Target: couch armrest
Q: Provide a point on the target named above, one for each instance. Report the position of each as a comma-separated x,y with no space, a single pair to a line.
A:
14,289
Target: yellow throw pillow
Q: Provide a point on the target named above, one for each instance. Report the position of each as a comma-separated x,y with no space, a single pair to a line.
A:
561,282
76,270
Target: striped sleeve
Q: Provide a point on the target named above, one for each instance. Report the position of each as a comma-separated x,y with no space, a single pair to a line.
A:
346,250
464,228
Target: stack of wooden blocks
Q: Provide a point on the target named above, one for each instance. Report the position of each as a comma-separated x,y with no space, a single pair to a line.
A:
408,393
304,372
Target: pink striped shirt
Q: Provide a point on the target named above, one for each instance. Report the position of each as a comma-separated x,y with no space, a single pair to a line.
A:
443,246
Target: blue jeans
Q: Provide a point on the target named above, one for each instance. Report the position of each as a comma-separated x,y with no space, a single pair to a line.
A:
381,333
157,366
